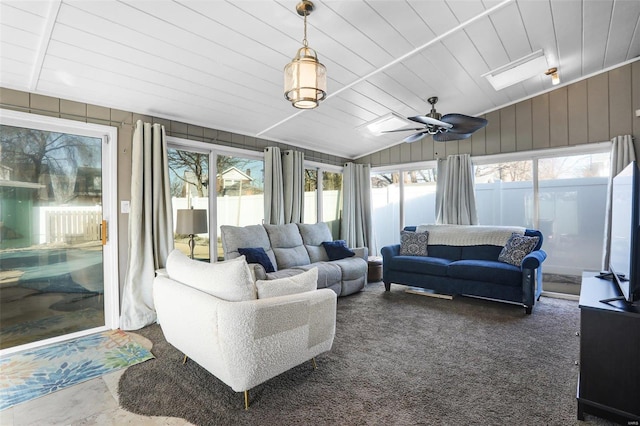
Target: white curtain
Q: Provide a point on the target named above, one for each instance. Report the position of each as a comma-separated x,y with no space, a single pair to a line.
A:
356,212
622,153
150,224
293,186
273,187
455,197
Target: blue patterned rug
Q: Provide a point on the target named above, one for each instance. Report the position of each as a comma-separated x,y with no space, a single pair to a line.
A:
31,374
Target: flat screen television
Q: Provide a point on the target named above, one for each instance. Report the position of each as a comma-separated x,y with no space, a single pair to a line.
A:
624,262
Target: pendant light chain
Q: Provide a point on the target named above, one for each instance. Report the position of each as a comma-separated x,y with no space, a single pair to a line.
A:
305,43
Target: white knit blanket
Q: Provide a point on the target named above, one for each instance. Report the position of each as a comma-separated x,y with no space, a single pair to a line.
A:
469,235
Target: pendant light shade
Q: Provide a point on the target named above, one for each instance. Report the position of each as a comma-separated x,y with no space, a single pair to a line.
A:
305,78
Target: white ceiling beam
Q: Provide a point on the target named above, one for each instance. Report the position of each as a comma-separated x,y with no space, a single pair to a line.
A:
50,21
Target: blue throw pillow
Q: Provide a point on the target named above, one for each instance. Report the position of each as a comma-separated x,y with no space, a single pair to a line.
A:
258,255
337,249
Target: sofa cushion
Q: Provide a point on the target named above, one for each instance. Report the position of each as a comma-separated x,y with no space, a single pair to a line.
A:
286,243
300,283
337,250
420,265
229,280
312,237
257,255
517,248
235,237
481,252
413,243
486,270
445,252
352,268
329,273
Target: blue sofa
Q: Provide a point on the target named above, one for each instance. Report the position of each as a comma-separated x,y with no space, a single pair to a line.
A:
463,260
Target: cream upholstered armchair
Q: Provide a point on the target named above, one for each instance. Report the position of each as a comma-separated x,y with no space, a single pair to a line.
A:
241,331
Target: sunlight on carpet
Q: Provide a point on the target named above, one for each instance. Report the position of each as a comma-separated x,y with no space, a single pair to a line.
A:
34,373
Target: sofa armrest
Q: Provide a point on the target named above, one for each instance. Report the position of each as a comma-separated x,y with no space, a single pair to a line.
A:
245,343
361,252
534,259
390,251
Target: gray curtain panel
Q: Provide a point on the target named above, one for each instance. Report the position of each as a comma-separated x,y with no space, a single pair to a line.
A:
456,201
622,153
150,224
356,212
293,186
273,187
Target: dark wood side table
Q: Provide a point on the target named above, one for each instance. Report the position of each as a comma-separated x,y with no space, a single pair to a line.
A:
609,381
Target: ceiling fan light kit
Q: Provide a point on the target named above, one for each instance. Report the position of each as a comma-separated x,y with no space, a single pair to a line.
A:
518,70
305,78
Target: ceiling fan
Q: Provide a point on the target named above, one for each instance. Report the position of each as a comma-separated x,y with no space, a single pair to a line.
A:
448,127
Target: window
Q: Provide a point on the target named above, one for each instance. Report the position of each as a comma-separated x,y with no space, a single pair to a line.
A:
332,201
310,196
236,196
419,195
385,209
504,193
563,195
572,193
189,180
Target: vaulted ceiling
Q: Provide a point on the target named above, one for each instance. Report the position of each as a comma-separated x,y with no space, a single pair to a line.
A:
219,64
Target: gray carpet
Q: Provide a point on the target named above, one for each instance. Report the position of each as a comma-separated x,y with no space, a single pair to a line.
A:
397,359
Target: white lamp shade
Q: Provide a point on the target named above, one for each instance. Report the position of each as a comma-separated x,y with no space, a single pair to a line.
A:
305,80
191,221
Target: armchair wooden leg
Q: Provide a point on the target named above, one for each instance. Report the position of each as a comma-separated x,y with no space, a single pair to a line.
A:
246,400
184,360
313,362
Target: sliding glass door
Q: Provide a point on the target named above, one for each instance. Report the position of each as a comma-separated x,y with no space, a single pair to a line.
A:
53,234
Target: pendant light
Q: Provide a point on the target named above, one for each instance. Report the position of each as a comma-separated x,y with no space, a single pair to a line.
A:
305,79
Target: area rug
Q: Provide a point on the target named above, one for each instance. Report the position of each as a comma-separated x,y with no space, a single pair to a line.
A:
31,374
397,359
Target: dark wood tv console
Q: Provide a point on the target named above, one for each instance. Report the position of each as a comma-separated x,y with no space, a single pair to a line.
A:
609,381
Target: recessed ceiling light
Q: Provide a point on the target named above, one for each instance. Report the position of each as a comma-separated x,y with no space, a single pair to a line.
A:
517,71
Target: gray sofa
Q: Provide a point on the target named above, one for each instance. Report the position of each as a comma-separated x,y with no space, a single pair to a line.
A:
295,248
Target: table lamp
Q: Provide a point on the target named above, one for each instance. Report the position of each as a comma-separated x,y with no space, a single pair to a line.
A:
191,222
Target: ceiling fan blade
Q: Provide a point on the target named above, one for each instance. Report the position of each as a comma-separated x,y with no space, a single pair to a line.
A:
430,121
402,130
415,137
450,136
463,123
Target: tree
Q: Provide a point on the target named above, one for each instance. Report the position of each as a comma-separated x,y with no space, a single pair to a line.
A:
31,154
186,164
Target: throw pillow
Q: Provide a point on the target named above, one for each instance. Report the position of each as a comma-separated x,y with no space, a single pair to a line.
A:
229,280
413,243
337,249
517,247
257,255
306,281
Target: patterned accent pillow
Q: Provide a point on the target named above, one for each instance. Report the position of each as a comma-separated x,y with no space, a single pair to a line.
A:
413,243
517,248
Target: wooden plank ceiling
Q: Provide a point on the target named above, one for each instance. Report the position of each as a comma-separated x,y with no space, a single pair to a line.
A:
220,64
